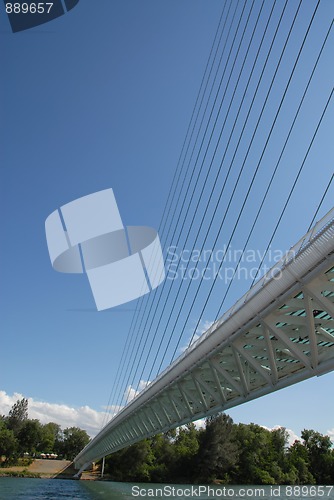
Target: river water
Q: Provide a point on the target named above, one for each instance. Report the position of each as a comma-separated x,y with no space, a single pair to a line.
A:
57,489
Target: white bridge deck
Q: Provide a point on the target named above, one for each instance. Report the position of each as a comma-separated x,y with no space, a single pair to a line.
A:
277,334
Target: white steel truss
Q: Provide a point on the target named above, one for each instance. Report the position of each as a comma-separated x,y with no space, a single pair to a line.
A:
279,333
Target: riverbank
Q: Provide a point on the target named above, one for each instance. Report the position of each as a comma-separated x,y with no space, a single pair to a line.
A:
42,468
49,469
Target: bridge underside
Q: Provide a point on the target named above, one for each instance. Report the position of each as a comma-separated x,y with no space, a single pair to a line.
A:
243,356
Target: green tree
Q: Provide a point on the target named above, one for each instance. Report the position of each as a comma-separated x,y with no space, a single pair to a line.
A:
163,458
51,432
320,455
217,452
8,442
299,461
30,436
185,450
73,441
132,463
279,440
279,467
18,414
255,454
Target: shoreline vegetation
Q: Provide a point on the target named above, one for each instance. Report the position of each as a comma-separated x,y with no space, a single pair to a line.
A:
226,453
25,441
22,473
220,453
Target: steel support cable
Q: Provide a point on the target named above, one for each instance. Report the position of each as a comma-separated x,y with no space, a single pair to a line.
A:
192,175
162,288
294,184
239,176
108,412
248,192
206,178
198,130
202,248
219,170
205,153
161,231
194,126
321,202
275,171
235,227
187,133
223,29
328,186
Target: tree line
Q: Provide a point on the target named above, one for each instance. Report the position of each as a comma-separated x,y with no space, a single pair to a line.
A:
221,451
226,452
20,435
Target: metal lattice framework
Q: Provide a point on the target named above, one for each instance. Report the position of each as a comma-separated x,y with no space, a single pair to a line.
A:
279,333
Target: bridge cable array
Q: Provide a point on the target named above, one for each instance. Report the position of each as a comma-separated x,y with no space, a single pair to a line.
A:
244,26
172,191
134,347
240,213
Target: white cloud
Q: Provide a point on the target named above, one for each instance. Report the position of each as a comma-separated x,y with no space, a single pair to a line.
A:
112,409
89,419
200,424
292,435
66,416
202,328
130,392
330,433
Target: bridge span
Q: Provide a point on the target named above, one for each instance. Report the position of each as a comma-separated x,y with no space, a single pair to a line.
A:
279,333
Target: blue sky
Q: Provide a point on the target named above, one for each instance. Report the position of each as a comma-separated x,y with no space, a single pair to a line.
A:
102,97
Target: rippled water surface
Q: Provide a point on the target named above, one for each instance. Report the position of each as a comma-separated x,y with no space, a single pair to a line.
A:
38,489
57,489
